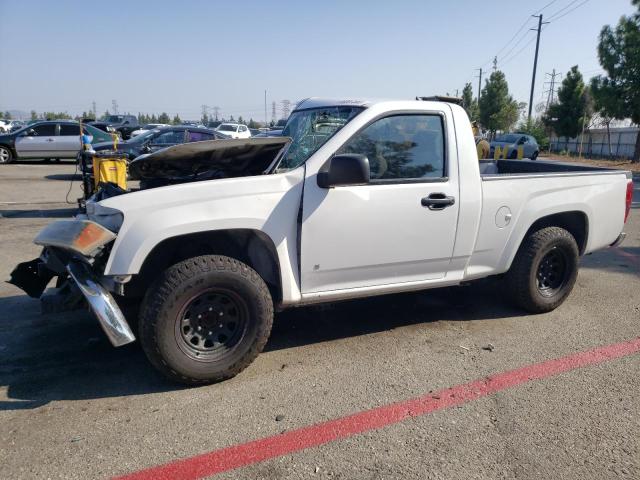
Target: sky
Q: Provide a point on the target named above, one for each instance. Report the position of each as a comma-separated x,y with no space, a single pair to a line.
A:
177,56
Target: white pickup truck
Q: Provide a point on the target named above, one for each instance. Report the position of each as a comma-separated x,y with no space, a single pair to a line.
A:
359,198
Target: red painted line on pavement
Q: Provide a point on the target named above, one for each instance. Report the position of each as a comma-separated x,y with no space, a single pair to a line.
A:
244,454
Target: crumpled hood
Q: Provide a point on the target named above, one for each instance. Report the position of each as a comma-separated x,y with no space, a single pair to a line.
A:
209,159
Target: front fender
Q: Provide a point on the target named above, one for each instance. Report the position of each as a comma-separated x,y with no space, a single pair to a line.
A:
267,203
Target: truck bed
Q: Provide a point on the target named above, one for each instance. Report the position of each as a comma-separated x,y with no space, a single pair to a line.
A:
496,169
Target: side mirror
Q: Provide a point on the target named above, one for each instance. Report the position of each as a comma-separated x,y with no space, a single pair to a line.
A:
343,170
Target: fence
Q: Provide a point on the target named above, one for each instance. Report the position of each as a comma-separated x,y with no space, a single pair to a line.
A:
596,144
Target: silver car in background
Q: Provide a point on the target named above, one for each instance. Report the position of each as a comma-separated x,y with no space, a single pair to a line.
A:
512,141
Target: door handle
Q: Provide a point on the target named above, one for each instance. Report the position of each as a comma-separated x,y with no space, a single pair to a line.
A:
437,201
49,139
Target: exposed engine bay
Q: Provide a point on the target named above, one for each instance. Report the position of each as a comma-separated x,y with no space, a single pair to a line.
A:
208,160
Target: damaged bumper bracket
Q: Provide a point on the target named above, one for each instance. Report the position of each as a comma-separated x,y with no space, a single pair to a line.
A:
102,304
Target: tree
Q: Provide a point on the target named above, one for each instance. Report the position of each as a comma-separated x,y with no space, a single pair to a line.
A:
205,119
498,109
617,94
254,124
163,118
240,119
568,117
176,120
34,115
469,103
56,116
7,115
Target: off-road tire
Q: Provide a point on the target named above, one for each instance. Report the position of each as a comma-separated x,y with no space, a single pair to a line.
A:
522,282
161,315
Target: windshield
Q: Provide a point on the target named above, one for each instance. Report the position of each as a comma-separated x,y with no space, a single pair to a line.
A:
114,118
227,128
508,138
310,129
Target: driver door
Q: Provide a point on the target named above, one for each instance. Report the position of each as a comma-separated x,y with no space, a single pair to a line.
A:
383,233
37,142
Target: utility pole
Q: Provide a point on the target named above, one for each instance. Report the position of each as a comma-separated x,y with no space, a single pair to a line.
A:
535,63
114,106
265,108
479,84
216,110
93,106
273,112
204,112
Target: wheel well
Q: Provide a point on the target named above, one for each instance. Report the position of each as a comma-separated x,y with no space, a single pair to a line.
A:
251,247
576,223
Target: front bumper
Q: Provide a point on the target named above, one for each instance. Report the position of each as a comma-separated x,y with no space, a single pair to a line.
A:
102,304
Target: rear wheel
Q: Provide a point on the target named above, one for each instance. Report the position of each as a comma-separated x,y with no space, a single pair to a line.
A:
6,156
544,271
206,319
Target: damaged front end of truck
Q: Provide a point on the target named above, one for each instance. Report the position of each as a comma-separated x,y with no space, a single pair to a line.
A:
76,251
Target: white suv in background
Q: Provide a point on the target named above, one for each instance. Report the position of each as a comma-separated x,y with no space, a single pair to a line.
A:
234,130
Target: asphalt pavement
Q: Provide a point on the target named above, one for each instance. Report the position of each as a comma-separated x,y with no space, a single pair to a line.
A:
71,406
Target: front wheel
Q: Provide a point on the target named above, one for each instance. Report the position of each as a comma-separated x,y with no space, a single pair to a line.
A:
6,156
205,319
535,155
544,271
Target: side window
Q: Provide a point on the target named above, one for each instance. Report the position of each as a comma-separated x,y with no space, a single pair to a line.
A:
198,136
402,147
69,130
45,130
169,138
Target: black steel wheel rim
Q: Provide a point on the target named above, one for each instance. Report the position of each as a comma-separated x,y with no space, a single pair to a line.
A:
552,272
211,325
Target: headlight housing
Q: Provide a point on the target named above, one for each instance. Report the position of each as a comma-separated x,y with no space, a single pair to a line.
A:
80,236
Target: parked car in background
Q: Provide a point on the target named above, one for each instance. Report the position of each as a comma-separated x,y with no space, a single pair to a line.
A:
147,127
159,138
47,139
11,125
512,141
234,130
123,124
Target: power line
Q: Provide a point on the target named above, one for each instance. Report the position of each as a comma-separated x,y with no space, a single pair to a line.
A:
555,17
506,55
515,35
564,8
547,5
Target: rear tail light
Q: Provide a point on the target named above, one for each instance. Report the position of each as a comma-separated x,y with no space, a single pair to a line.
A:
628,200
